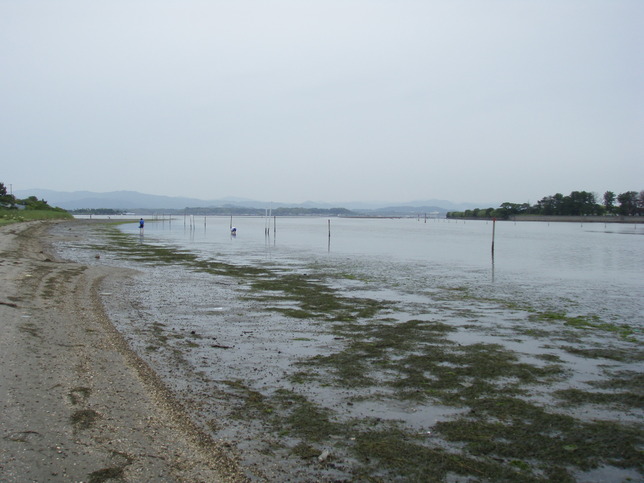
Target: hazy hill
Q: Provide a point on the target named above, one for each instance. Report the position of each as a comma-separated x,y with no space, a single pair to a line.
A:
133,200
121,200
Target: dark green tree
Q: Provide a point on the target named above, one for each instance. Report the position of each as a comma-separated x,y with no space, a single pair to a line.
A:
4,197
559,203
506,210
581,203
628,203
546,206
33,203
609,201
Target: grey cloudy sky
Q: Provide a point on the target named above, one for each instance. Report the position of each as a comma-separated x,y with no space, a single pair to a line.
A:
334,100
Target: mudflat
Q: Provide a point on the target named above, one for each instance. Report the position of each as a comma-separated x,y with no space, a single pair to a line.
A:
76,403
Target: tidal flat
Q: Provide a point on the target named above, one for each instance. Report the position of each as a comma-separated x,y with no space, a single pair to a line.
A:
331,370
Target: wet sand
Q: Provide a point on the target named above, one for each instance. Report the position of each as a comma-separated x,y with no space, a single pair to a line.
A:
77,403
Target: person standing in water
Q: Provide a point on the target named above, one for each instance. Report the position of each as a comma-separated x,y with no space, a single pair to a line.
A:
141,224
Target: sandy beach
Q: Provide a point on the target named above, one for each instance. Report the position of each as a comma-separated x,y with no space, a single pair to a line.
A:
77,404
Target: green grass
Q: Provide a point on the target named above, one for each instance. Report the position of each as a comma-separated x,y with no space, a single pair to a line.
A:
8,217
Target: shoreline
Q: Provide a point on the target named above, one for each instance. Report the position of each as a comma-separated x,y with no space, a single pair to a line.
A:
561,219
78,403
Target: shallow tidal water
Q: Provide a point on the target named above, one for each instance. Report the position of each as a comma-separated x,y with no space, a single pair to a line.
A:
364,328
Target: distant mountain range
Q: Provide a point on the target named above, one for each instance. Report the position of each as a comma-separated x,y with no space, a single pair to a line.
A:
134,201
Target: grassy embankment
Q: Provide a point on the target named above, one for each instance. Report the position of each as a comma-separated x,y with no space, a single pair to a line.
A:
15,216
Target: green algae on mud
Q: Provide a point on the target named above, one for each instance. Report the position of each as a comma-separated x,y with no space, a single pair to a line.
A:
538,315
424,364
84,419
508,426
107,474
79,395
315,299
506,439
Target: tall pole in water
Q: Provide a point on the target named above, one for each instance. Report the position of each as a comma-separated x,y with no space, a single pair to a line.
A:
267,222
493,230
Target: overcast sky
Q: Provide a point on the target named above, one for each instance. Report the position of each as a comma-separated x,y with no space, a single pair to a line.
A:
333,100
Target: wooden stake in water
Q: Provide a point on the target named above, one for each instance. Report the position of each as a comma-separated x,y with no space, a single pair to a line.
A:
493,230
267,222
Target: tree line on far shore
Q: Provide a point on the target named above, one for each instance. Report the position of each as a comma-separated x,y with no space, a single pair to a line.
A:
577,203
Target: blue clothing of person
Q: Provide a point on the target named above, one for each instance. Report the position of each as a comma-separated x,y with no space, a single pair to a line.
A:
141,223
